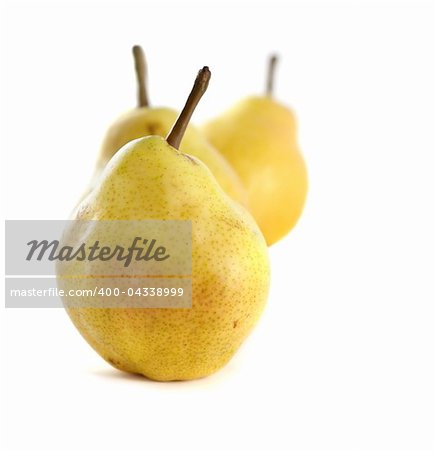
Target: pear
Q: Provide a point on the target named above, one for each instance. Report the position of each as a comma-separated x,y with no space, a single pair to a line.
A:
150,178
258,137
145,120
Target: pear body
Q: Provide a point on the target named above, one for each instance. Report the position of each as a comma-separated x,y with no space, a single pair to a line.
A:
144,121
259,138
149,179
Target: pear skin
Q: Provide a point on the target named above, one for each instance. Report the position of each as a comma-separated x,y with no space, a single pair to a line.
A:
258,138
149,179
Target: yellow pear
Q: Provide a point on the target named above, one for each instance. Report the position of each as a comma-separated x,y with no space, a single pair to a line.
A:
145,120
150,178
258,137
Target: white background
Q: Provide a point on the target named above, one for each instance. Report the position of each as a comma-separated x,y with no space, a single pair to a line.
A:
343,357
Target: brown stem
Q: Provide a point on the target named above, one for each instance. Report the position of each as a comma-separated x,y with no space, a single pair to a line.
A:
200,86
141,75
273,59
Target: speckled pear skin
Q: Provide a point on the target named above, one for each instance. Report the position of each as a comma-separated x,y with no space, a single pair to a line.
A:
149,179
258,137
144,121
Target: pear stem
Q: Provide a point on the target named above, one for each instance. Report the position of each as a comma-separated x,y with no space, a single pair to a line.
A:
273,59
141,76
200,86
